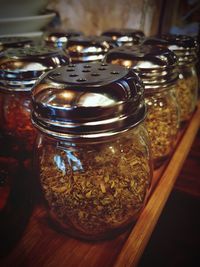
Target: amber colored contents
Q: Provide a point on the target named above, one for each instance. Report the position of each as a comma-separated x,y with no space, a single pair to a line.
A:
162,123
186,93
93,191
17,122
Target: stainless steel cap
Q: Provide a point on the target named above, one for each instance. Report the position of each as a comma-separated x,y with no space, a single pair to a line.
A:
185,47
88,101
156,66
20,68
13,42
60,38
126,37
87,48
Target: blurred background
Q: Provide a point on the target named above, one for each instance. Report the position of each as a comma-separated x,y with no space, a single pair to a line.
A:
92,17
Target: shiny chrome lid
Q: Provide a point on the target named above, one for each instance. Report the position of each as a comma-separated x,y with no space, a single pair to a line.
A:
185,47
87,48
126,37
20,68
13,42
59,38
102,38
88,101
156,66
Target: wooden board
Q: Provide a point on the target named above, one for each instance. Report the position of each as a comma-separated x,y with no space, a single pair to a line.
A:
41,245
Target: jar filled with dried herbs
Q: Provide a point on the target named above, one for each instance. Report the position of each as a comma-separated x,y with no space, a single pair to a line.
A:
125,36
157,68
92,150
185,47
20,68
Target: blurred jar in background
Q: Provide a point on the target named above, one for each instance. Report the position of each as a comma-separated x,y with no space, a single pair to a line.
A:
127,37
14,42
59,38
157,68
185,47
20,68
88,48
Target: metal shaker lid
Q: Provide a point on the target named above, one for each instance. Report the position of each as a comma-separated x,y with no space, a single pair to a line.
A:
87,48
185,47
59,38
156,66
89,101
14,42
20,68
125,36
102,38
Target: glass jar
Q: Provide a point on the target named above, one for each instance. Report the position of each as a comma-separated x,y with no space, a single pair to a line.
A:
88,48
92,150
20,68
185,47
157,69
59,38
126,37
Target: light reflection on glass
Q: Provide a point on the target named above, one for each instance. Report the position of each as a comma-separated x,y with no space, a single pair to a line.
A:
73,161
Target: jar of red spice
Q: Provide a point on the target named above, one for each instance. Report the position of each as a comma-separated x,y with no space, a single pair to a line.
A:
20,68
125,36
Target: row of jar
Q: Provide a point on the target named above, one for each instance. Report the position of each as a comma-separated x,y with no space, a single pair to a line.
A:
100,127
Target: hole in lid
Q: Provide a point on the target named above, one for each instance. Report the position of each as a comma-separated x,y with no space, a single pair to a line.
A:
71,65
73,75
70,70
102,68
56,74
95,74
87,66
81,80
86,70
114,72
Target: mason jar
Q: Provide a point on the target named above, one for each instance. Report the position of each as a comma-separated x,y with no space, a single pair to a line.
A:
59,38
92,151
88,48
20,68
125,36
185,47
157,69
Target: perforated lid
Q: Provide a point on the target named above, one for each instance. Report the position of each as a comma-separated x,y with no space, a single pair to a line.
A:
21,67
60,38
155,65
13,42
185,47
125,36
87,48
88,101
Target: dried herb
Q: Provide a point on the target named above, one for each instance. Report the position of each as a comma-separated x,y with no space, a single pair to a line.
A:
186,92
162,123
92,190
